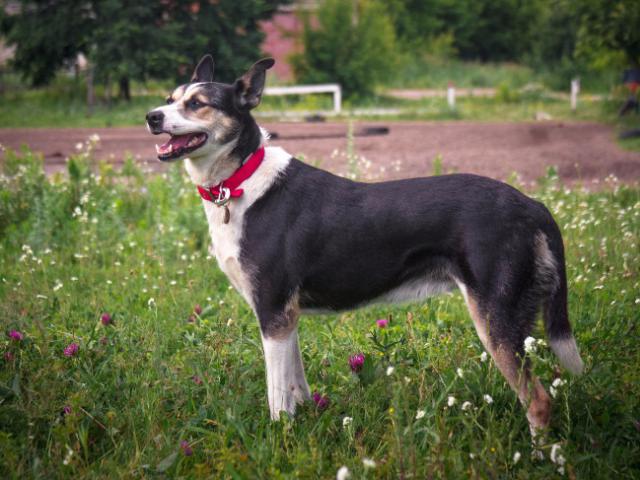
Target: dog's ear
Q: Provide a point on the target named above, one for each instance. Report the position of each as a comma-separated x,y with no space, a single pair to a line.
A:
204,70
248,88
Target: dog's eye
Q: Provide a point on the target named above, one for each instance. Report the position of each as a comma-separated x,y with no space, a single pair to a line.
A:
169,100
194,104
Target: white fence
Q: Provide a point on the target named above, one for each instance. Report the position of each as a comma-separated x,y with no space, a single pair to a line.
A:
332,88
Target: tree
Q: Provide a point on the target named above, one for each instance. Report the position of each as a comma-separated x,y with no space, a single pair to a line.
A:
609,33
353,44
46,35
136,40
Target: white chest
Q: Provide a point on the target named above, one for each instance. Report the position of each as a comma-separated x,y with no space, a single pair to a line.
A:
226,239
226,244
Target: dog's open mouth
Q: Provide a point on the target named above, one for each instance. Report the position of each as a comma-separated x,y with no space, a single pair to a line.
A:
179,145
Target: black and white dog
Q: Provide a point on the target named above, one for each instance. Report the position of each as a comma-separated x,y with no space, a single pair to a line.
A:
294,239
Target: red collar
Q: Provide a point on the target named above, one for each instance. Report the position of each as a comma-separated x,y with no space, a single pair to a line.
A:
217,193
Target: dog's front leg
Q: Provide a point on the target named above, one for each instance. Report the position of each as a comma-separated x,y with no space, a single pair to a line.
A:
286,383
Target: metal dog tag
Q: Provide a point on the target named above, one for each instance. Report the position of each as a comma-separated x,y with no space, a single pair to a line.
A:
223,198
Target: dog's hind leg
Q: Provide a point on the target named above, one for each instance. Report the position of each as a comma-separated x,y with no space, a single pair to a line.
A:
286,383
502,332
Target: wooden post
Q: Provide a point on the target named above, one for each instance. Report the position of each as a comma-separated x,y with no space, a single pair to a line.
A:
575,89
451,96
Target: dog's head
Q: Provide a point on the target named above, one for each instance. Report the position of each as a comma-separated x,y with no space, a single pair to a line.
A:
203,117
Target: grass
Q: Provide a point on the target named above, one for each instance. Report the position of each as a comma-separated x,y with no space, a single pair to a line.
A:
518,99
135,246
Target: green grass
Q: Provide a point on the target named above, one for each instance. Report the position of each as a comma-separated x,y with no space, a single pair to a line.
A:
520,96
136,246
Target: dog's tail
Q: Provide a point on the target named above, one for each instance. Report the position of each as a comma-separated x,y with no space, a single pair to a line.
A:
551,263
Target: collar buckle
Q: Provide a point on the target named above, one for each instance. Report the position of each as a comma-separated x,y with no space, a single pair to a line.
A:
224,196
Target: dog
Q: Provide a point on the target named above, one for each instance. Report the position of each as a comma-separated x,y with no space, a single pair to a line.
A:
294,239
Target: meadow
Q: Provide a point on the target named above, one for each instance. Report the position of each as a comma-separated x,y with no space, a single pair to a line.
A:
125,353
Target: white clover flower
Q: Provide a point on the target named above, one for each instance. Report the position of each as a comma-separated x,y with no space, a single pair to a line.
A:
420,414
151,302
346,421
451,401
229,322
530,345
368,463
487,398
559,382
460,372
390,370
516,457
555,455
74,279
57,286
466,406
343,473
483,357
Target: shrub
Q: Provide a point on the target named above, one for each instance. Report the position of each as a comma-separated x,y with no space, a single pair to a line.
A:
353,44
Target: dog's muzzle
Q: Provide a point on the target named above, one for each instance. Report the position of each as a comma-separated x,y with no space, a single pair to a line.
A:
155,119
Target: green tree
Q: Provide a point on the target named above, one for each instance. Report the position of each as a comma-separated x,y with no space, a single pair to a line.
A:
353,44
46,35
136,40
609,33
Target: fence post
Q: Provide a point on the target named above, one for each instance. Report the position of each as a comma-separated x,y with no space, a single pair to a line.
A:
575,89
451,96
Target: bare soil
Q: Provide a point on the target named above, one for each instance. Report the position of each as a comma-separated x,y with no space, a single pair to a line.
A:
581,151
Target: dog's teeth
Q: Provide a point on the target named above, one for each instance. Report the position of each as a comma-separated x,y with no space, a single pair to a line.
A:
170,148
158,149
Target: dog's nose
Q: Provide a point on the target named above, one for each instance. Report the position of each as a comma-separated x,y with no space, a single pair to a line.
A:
155,119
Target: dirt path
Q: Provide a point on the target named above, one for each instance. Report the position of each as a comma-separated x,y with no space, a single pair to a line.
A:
581,151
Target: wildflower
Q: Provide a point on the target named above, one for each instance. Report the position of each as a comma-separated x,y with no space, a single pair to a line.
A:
321,401
191,319
460,373
57,286
346,421
197,380
8,356
197,309
66,410
67,457
390,370
466,406
186,449
516,457
16,335
151,302
71,349
557,458
368,463
105,318
382,323
343,473
356,362
487,398
530,345
483,357
557,383
420,414
451,401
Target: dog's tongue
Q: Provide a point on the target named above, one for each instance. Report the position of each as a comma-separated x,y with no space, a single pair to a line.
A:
175,142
